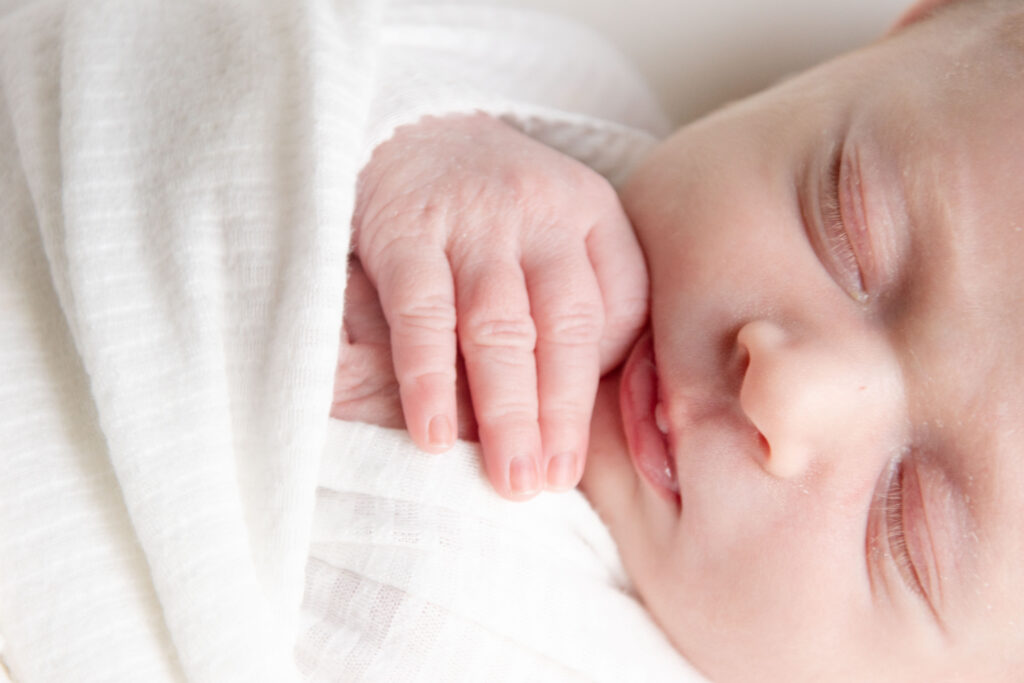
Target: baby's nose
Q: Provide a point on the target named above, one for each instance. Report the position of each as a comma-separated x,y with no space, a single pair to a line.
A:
768,393
808,394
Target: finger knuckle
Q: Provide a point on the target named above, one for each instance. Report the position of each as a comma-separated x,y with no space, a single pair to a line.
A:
582,182
542,194
508,413
527,185
429,380
512,332
430,314
578,325
398,226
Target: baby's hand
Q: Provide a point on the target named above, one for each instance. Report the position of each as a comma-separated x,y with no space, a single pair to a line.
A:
467,227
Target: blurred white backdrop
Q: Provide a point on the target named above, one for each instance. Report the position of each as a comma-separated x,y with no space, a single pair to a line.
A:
699,54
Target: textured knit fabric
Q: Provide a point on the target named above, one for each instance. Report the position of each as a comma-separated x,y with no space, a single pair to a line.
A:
176,185
418,572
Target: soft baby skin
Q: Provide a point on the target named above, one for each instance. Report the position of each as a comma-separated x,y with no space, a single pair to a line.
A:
825,480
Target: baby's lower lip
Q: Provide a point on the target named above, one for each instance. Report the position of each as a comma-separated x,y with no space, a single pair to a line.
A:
649,447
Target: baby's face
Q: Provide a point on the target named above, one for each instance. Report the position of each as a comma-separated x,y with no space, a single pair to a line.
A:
834,380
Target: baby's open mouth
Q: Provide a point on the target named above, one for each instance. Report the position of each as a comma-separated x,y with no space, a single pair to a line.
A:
646,424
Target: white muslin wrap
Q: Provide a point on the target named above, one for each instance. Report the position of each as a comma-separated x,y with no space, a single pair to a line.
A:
176,186
417,571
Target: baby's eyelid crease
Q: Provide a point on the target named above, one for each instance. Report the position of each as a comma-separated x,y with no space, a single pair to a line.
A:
914,582
821,196
895,527
843,186
931,584
853,205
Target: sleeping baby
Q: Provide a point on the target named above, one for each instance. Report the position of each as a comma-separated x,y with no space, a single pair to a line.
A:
809,454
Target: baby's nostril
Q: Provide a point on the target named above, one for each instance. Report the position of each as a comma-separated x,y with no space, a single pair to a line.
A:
763,450
733,358
744,361
763,443
738,366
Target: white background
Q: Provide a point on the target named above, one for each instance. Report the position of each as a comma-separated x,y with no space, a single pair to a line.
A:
699,54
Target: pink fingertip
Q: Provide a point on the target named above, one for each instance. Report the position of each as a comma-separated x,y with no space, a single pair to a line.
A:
440,432
561,473
522,476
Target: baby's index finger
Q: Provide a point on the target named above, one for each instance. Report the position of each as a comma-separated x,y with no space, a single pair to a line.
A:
418,298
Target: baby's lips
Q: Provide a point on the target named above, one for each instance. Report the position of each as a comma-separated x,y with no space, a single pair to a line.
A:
649,447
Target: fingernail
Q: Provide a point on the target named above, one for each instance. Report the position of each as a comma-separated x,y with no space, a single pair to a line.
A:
562,471
522,476
440,431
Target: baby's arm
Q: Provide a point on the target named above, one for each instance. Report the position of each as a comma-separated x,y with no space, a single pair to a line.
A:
479,238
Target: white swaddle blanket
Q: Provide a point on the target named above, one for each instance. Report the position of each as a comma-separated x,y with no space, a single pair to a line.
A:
176,184
417,571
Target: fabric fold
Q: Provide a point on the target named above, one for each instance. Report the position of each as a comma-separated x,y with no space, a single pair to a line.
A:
417,571
176,188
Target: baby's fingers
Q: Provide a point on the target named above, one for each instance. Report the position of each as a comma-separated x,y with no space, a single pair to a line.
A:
618,263
417,295
568,311
497,338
